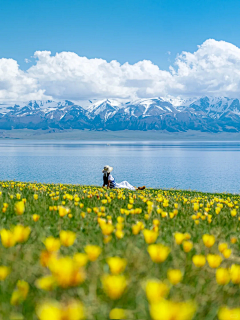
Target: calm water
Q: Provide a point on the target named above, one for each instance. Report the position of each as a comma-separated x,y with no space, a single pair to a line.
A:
205,166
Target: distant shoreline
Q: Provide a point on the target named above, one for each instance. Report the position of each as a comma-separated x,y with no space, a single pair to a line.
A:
125,135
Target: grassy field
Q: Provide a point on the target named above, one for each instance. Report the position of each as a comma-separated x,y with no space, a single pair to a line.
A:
76,252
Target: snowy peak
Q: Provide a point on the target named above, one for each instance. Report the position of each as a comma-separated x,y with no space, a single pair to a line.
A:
104,109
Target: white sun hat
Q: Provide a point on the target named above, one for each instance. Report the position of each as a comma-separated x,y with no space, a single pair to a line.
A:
107,169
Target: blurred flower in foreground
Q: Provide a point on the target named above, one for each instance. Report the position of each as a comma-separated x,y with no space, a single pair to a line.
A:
214,260
158,252
116,264
114,285
235,273
53,310
150,236
226,313
47,283
187,245
117,313
174,276
92,252
4,272
52,244
35,217
199,260
169,310
7,238
208,240
67,238
21,233
156,290
20,293
222,276
19,207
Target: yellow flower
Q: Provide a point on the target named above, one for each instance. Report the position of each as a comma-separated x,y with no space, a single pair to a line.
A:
66,272
158,252
107,229
46,256
179,237
150,236
195,206
19,207
233,240
208,240
214,260
116,264
187,245
199,260
20,293
21,233
119,234
35,196
67,238
52,244
156,290
4,272
81,259
114,285
117,313
46,283
7,238
35,217
168,310
62,211
92,252
222,246
222,276
233,212
235,274
174,276
225,313
227,253
73,310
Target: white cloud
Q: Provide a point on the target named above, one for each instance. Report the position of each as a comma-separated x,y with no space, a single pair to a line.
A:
214,69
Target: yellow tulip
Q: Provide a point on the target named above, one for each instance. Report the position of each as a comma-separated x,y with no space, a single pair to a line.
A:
117,313
222,276
150,236
214,260
233,240
227,253
158,252
114,285
19,207
47,283
226,313
156,290
21,233
92,252
199,260
208,240
174,276
179,237
20,293
35,217
52,244
235,273
168,310
7,238
116,264
187,245
67,238
4,272
222,246
81,259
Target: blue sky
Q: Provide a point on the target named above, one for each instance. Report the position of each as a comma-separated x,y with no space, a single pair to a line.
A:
125,30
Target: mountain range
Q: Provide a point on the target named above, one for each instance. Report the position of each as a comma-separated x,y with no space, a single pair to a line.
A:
206,114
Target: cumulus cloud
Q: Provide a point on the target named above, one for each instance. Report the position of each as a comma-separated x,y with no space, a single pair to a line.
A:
213,69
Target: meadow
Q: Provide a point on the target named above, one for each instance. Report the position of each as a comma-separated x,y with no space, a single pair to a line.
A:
71,252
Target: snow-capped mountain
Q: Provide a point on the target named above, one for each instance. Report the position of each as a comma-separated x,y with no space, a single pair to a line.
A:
171,114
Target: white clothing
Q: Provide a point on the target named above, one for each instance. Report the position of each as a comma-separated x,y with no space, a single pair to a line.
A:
125,185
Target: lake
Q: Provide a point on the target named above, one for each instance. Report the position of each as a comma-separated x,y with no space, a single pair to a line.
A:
204,166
